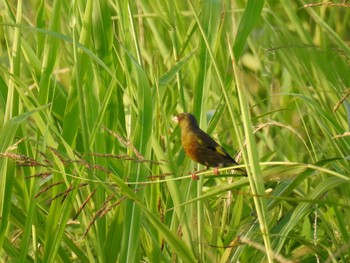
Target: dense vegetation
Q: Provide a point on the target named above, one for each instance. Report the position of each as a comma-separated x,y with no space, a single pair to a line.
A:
91,165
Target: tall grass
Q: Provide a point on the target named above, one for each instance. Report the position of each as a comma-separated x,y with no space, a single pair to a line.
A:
92,167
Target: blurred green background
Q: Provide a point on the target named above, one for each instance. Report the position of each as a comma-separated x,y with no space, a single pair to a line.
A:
91,165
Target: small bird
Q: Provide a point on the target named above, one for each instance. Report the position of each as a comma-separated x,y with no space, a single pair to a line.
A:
200,147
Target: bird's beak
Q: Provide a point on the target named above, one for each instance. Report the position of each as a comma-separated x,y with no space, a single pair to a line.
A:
175,119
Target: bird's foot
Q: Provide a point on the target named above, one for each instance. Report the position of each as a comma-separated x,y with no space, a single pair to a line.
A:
216,171
194,176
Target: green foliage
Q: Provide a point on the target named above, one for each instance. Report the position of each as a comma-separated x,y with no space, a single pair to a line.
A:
91,164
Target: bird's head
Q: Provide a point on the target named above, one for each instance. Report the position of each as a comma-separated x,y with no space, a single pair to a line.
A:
186,120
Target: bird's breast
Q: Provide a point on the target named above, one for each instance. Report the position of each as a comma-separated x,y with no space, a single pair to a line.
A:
190,146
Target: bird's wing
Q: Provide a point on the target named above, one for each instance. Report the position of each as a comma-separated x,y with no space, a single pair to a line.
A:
205,140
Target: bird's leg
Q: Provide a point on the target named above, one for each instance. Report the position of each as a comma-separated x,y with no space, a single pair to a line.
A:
194,174
216,171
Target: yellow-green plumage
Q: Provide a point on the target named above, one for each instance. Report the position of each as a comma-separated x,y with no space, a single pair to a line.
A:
199,146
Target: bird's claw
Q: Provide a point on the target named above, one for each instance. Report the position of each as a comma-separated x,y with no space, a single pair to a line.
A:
194,176
216,171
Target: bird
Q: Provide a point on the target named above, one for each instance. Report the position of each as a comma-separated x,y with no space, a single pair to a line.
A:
202,148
